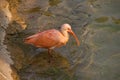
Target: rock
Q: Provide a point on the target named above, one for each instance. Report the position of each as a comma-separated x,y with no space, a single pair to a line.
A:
5,60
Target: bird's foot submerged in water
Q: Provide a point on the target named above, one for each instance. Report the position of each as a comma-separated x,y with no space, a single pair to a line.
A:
51,56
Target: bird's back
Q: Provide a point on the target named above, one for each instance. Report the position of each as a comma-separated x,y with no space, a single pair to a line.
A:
46,39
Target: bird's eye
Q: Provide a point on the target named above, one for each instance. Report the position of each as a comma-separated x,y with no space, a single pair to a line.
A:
68,28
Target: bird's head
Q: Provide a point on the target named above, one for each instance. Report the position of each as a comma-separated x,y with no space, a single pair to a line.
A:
66,27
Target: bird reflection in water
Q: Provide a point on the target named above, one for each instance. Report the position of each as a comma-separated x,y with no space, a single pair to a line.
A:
39,63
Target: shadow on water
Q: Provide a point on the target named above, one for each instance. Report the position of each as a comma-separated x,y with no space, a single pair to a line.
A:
39,65
42,58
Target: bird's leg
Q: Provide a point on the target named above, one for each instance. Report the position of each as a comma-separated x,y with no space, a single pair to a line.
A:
49,52
50,55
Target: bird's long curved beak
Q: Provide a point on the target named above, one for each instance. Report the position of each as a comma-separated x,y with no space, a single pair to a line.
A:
76,38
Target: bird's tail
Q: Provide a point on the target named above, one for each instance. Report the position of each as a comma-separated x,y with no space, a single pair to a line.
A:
29,40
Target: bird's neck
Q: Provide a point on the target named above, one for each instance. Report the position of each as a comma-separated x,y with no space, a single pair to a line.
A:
65,34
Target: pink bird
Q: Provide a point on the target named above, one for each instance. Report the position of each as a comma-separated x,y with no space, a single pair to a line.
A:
52,38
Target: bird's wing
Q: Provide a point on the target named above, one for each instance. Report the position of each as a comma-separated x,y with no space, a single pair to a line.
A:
48,39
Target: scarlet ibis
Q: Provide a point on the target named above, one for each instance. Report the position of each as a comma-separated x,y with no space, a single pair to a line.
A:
52,38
